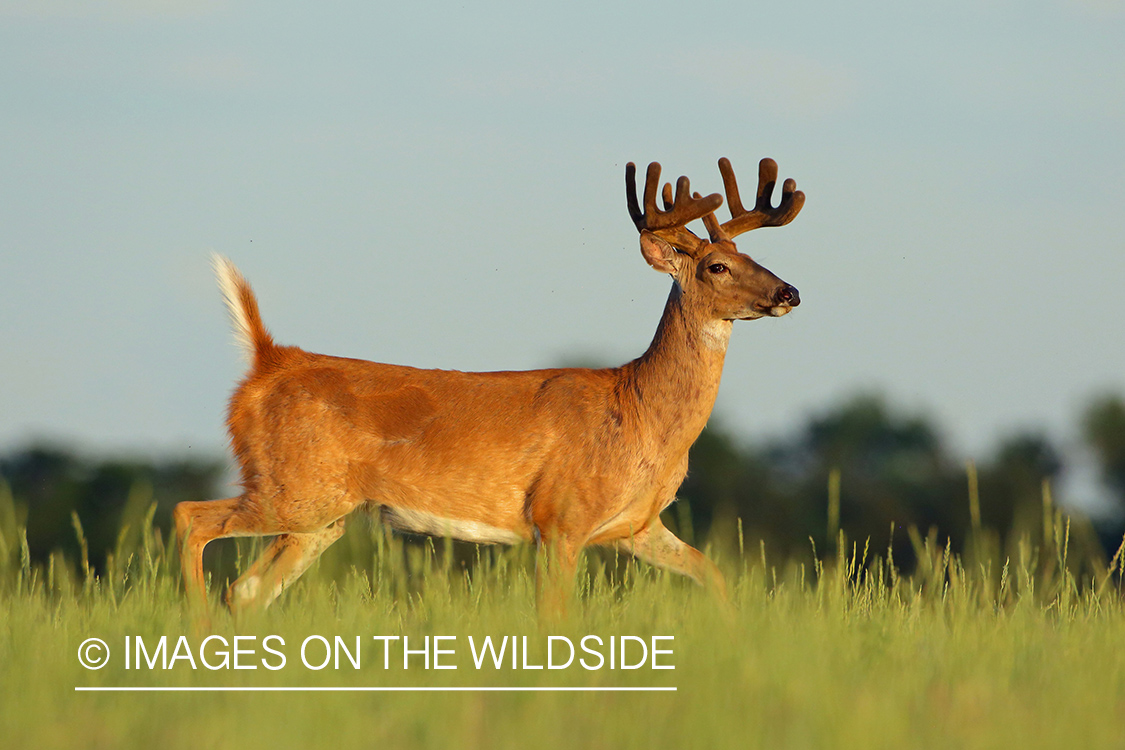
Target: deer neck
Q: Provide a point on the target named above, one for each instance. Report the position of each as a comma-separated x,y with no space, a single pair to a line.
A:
677,379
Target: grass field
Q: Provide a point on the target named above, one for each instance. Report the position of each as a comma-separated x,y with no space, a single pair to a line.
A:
845,653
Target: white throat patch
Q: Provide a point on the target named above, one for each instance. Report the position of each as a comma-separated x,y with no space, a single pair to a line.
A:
716,334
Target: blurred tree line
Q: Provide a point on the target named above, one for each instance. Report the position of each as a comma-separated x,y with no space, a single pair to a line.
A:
67,501
859,466
863,465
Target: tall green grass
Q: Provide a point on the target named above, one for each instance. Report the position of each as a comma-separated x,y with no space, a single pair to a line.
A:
998,646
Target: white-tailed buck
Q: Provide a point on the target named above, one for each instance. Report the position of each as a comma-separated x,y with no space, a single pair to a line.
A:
565,458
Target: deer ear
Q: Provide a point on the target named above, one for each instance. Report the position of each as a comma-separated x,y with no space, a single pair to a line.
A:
659,254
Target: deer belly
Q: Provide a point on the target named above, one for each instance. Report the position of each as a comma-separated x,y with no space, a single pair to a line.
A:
422,522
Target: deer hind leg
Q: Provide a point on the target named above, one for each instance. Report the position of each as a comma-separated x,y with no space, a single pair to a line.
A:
660,547
283,561
200,523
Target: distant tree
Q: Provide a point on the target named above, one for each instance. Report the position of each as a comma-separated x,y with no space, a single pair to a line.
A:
1011,484
1104,429
893,467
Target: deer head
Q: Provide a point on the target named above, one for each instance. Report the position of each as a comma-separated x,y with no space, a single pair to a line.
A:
721,283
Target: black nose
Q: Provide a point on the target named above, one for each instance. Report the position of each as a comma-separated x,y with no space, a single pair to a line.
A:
787,295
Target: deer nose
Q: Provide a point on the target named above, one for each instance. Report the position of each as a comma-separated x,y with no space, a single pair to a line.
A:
787,295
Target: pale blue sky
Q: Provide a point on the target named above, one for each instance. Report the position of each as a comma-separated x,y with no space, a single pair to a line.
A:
440,184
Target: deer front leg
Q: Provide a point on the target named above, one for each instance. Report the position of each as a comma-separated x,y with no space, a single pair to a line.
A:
556,562
660,547
286,558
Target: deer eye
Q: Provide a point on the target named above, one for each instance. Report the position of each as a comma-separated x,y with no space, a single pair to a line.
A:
717,268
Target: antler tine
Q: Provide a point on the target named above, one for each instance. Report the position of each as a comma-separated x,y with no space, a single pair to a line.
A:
631,196
670,222
709,220
763,215
712,223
